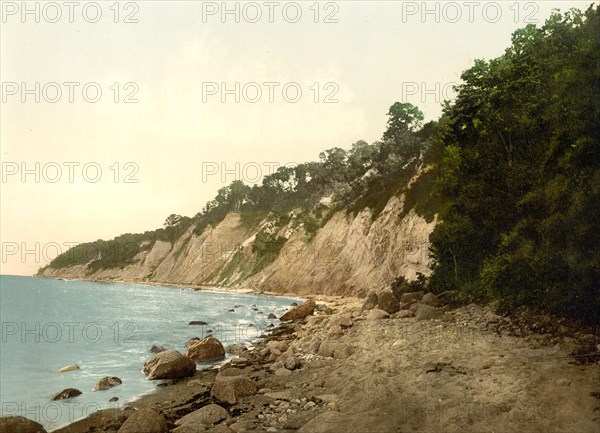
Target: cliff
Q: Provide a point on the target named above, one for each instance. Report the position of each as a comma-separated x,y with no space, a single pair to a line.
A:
349,255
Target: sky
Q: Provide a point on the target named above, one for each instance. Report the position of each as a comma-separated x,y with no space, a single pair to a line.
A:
115,115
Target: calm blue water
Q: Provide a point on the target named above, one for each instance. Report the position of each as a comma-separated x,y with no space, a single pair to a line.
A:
107,329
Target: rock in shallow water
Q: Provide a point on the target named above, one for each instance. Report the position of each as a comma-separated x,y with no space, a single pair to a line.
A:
69,368
66,393
107,382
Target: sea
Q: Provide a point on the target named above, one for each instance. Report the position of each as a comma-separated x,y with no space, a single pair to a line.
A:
107,329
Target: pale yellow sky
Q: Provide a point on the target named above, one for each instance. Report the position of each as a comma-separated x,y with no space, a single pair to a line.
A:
76,171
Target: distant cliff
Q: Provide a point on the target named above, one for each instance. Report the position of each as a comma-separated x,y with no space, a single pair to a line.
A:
349,255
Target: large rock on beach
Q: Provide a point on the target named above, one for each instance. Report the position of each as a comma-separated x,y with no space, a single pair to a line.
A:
19,424
206,416
209,349
300,312
169,365
231,389
145,421
387,302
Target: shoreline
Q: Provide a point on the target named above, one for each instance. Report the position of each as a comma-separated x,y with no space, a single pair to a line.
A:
200,288
347,370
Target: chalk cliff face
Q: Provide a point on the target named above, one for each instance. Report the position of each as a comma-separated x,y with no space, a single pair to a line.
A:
350,255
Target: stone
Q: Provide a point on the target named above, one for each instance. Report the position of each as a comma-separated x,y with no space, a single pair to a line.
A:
312,321
145,421
387,302
107,383
430,299
271,316
427,312
157,349
169,364
66,393
208,349
371,301
191,341
404,314
207,415
345,320
19,424
377,314
334,330
300,312
113,399
282,372
334,349
235,349
198,322
231,389
278,346
411,296
291,363
69,368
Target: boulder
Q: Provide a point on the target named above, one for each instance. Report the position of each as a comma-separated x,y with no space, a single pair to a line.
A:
404,314
235,348
334,349
300,312
106,383
291,363
209,349
157,349
312,321
68,368
377,314
412,296
371,301
207,415
145,421
19,424
345,320
191,341
430,299
66,393
169,365
277,346
334,330
387,302
427,312
271,316
231,389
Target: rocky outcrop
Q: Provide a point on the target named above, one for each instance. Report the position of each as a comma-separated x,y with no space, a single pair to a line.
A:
169,365
19,424
66,393
145,421
300,312
209,349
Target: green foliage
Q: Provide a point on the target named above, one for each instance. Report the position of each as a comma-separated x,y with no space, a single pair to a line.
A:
522,173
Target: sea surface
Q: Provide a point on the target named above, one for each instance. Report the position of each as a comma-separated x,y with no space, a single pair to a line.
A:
107,329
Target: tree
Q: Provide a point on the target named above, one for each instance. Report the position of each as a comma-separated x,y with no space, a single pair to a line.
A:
402,118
